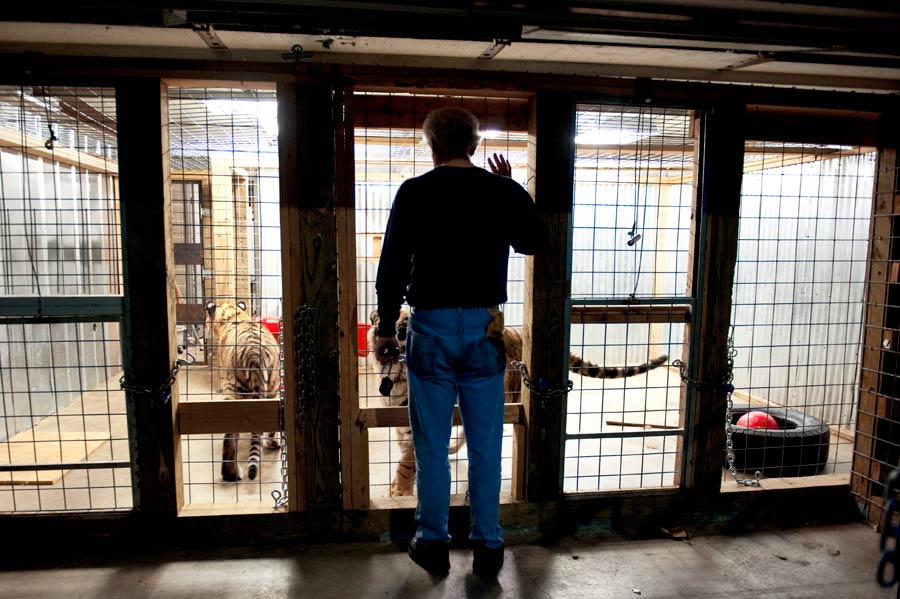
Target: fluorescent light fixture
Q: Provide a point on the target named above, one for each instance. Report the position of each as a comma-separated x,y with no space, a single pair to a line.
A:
609,137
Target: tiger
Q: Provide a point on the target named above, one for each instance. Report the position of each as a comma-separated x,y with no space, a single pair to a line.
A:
394,388
249,357
393,393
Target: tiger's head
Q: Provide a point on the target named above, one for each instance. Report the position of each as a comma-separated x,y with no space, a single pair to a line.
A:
393,376
220,316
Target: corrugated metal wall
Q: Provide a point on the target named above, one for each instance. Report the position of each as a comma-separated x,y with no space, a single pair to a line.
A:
799,285
58,236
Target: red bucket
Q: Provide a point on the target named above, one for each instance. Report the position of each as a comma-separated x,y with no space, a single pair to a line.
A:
271,324
362,333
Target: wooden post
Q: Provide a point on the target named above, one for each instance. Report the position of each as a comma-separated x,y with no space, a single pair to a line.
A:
307,178
224,231
149,300
875,445
721,168
681,465
239,208
548,287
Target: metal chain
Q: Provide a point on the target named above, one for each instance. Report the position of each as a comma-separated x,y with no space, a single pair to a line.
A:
281,496
164,391
305,386
727,384
541,389
681,366
890,533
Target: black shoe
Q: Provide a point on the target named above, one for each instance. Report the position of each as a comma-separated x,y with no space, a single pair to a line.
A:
487,561
434,557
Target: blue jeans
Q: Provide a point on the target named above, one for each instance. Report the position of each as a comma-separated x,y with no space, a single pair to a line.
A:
448,357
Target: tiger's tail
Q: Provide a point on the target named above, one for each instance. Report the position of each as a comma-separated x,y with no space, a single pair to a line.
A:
253,459
579,365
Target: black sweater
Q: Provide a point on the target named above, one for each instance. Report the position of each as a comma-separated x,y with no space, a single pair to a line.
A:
448,238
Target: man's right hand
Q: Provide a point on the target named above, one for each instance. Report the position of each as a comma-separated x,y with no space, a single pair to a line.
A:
500,166
387,349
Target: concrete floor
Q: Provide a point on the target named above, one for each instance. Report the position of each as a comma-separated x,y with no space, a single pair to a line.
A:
829,561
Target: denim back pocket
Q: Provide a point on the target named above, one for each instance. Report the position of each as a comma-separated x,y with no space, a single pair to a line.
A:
485,356
421,353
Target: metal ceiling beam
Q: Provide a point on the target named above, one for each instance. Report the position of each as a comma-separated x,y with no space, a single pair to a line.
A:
209,36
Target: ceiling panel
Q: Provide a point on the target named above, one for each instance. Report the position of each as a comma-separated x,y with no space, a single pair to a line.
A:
834,45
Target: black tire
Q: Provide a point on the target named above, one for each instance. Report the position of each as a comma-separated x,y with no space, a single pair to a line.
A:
799,447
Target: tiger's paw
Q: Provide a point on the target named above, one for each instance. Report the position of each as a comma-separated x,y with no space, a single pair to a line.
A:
401,490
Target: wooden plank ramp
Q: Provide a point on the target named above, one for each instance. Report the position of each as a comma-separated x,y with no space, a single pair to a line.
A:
47,447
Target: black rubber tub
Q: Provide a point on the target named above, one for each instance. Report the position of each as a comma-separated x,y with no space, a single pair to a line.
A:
799,447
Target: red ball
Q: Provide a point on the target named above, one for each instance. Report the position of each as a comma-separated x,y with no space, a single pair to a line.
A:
757,419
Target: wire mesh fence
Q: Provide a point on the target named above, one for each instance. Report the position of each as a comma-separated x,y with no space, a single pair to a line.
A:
59,227
634,169
389,149
227,247
63,426
797,309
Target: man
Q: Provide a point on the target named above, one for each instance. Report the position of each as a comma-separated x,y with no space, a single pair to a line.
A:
445,253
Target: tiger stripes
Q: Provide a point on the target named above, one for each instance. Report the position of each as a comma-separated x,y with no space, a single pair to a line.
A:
248,357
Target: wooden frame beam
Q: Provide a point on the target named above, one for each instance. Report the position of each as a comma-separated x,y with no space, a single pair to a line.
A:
381,417
637,313
227,416
432,79
877,412
149,350
715,231
802,125
307,119
548,287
